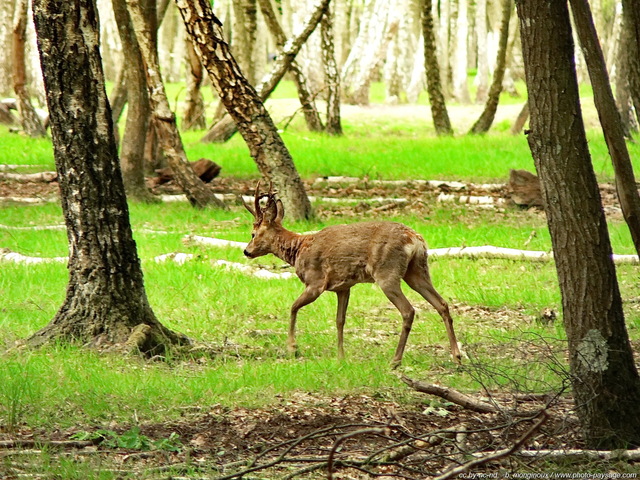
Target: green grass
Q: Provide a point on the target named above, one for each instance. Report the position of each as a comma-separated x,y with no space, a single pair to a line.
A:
241,322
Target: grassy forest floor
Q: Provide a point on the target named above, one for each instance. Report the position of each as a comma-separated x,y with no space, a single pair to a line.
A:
236,405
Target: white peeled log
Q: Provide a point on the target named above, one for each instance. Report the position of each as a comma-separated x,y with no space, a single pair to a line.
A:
256,272
9,256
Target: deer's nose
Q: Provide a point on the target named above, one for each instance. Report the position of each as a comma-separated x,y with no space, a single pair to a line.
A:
247,254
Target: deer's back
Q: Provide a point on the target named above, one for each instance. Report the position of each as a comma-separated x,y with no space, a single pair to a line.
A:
340,256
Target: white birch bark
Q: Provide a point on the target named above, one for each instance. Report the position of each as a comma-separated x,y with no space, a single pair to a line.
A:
482,76
110,47
6,33
442,25
459,68
611,45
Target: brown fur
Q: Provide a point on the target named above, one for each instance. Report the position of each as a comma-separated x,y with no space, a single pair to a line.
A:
340,256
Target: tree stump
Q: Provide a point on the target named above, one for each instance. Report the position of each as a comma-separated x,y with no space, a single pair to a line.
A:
525,189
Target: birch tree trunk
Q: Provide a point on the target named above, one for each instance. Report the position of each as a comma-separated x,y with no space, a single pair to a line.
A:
244,105
31,123
460,55
138,111
224,129
106,302
609,118
165,121
631,13
331,75
483,124
6,33
605,381
436,98
482,75
311,115
194,111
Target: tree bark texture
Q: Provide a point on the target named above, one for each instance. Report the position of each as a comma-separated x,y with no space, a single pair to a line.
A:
245,106
311,115
623,94
331,75
105,298
609,118
227,126
165,121
434,89
604,378
631,23
483,124
194,111
31,123
135,133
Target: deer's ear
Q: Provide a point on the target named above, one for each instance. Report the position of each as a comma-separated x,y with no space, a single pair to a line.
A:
280,211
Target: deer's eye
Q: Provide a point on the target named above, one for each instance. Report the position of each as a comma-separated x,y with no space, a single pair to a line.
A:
253,235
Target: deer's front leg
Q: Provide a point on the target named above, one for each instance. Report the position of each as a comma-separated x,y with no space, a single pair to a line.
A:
308,296
343,303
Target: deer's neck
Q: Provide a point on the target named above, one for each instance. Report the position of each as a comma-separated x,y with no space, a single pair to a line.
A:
289,246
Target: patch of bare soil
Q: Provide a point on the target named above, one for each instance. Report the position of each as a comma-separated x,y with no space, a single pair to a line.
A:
361,436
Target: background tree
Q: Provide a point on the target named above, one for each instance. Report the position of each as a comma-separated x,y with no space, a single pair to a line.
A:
434,88
631,24
165,121
132,149
245,106
609,118
605,381
29,119
311,115
226,127
483,124
106,300
331,75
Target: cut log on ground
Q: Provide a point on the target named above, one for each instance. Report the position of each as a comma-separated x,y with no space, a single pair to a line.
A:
525,189
203,168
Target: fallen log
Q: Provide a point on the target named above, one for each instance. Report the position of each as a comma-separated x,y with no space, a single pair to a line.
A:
203,168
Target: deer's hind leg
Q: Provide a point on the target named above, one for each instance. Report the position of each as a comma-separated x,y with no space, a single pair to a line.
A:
393,291
343,303
418,278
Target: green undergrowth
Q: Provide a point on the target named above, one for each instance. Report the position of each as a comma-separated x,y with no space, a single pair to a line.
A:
239,322
507,313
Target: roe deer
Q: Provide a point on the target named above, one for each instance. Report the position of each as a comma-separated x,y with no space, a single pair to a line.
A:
338,257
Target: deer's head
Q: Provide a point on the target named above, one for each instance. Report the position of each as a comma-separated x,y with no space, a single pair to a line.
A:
267,223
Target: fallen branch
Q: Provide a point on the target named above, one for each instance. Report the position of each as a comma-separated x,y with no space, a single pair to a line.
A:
582,455
40,177
451,395
9,256
454,472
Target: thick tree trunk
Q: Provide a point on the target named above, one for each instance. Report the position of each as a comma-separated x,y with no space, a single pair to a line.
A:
331,75
138,112
434,89
311,115
605,380
483,124
165,121
31,123
245,106
106,301
226,127
609,118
